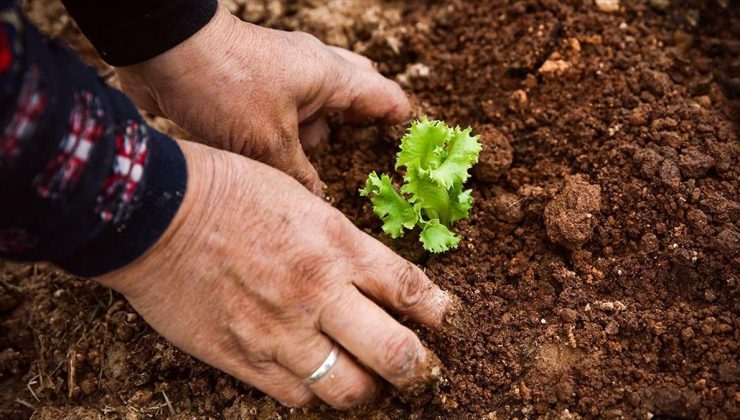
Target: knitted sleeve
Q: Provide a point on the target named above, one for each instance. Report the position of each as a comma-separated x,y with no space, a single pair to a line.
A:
131,31
84,182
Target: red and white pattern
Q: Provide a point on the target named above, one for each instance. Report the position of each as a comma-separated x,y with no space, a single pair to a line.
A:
128,169
85,129
6,51
31,104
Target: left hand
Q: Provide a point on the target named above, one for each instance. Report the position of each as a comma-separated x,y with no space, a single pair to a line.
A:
259,278
260,92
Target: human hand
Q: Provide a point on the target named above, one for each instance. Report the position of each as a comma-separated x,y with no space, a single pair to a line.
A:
258,279
261,92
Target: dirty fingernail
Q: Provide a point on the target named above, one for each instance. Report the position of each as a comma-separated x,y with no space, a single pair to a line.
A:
427,376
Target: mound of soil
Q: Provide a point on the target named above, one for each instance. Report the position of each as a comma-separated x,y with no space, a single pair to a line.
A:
599,271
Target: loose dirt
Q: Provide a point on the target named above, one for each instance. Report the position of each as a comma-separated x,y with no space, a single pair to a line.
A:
599,273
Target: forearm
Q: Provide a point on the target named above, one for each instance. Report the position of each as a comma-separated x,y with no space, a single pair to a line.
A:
84,182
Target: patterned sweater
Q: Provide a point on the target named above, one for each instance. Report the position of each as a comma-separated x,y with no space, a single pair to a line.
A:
85,183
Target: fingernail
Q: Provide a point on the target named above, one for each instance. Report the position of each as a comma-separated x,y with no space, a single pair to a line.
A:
442,303
444,299
428,375
452,318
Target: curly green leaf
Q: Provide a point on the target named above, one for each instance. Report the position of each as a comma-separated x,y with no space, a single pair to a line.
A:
395,212
436,237
462,153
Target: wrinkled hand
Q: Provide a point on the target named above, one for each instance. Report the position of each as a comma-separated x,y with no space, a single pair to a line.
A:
256,276
261,92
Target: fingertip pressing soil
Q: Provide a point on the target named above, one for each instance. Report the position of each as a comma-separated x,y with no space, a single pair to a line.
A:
626,111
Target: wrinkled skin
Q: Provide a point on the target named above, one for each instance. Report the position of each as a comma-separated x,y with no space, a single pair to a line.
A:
260,92
256,276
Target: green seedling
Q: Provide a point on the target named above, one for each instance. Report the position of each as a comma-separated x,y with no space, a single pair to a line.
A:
436,159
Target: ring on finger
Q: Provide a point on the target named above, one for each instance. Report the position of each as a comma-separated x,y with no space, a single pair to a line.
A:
325,367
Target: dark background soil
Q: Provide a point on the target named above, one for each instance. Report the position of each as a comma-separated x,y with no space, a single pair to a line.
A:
600,269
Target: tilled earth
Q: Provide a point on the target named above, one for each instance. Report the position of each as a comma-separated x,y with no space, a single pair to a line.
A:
600,269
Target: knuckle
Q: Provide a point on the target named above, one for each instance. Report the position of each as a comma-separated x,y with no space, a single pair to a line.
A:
255,350
400,353
238,321
349,88
412,287
346,85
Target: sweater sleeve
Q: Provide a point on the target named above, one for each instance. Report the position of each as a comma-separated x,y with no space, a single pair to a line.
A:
131,31
84,182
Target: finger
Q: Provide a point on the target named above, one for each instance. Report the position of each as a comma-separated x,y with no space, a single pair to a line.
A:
313,132
399,284
354,58
346,385
288,156
279,383
297,165
377,340
368,94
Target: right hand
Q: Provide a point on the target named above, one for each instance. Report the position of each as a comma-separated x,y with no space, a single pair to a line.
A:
257,277
261,92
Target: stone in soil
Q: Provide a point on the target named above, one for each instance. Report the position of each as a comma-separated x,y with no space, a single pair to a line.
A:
572,215
607,6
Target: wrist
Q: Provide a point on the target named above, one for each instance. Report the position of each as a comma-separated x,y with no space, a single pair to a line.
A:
125,279
207,168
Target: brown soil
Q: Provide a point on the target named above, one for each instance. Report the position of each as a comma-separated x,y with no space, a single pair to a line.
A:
600,269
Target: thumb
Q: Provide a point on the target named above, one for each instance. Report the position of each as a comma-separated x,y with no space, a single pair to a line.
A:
367,94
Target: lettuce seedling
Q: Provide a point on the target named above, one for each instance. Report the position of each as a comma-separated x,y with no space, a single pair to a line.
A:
436,159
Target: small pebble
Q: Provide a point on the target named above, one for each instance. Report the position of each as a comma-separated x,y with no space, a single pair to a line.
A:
518,100
568,315
607,6
710,296
554,67
704,101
